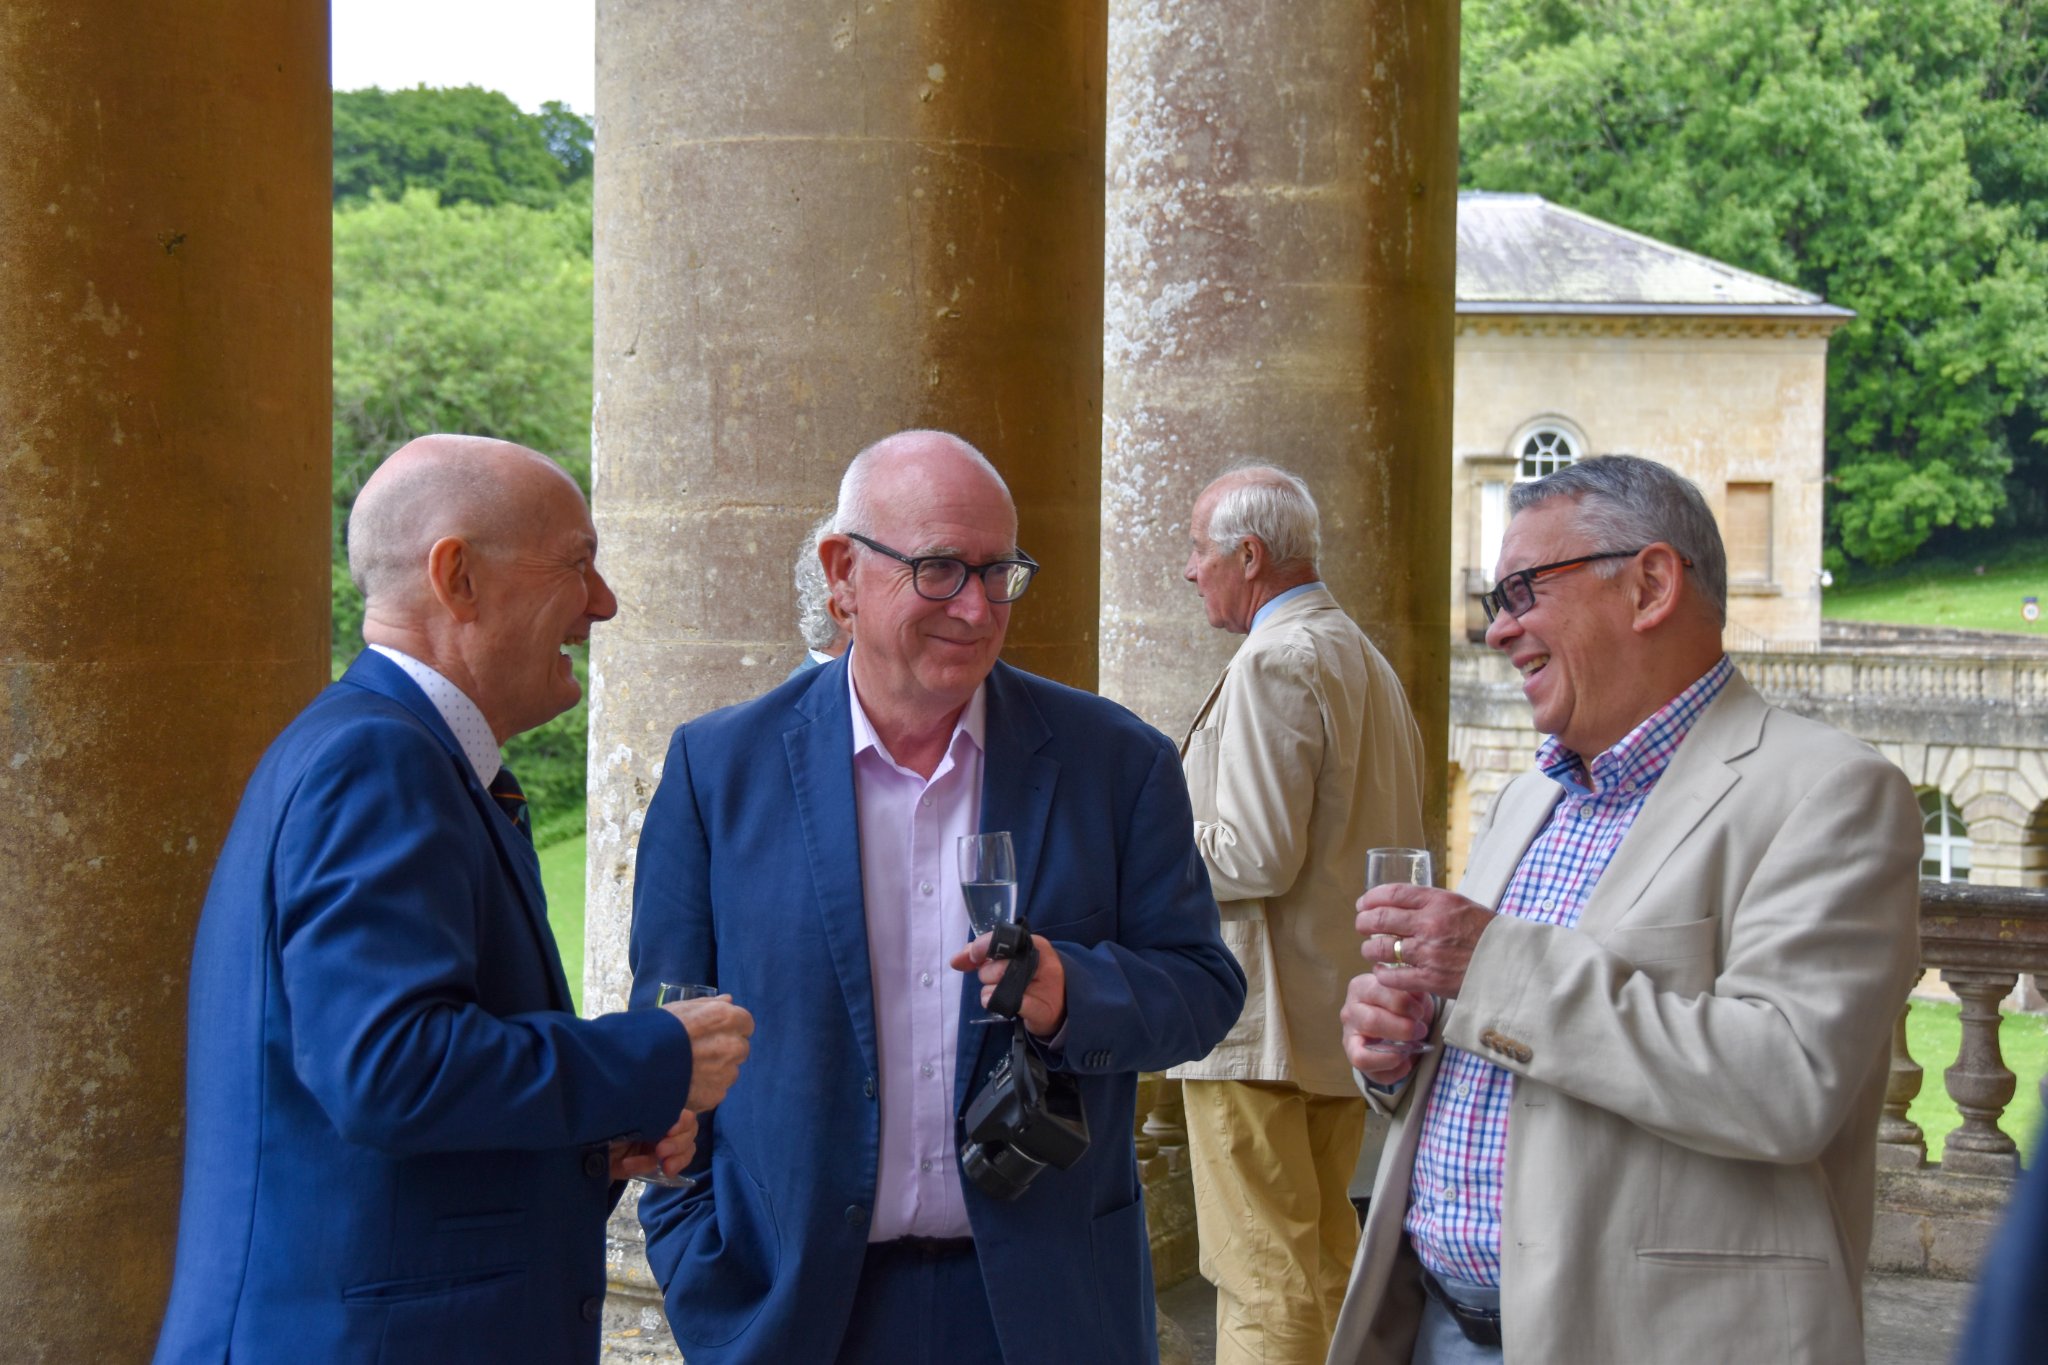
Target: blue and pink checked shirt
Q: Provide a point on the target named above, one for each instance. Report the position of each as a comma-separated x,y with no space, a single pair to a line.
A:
1455,1192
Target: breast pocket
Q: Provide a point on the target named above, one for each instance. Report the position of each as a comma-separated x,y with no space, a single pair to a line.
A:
1678,957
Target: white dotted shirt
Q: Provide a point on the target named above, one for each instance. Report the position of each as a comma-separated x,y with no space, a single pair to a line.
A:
463,716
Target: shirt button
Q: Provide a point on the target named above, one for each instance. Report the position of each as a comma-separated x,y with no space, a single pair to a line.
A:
925,1165
924,888
924,978
1464,1089
925,1071
926,803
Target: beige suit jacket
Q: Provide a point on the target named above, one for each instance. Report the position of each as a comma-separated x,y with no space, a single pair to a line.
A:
1700,1064
1304,756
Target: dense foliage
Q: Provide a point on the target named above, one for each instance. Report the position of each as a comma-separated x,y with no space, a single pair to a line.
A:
1891,157
467,145
462,302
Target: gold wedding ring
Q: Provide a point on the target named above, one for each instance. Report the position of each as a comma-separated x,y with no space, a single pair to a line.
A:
1398,962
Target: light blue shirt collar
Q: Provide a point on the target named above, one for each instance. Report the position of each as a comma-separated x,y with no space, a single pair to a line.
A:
1259,616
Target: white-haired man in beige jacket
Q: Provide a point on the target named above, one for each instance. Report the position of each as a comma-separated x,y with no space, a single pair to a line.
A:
1304,756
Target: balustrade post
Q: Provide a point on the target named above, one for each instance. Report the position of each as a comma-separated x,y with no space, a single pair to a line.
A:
1980,1082
1900,1143
1146,1143
1167,1124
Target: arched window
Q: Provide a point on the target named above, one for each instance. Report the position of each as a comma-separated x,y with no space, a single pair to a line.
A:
1946,856
1545,451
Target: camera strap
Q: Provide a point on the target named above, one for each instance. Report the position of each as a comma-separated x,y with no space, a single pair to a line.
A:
1012,942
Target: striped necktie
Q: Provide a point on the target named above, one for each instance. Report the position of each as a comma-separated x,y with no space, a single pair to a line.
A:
511,800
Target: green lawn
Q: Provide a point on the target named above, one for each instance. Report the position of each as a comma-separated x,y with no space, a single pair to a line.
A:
1947,593
561,874
1934,1032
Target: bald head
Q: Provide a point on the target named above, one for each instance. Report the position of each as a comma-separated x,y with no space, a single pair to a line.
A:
911,464
473,487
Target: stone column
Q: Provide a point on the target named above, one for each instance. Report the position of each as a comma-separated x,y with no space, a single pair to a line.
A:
164,380
1281,238
816,226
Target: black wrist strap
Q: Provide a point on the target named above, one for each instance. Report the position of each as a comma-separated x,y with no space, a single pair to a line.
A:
1014,942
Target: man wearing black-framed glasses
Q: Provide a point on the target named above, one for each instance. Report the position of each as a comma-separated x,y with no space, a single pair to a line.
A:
1661,996
801,853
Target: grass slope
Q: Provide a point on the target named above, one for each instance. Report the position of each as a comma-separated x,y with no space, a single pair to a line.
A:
561,876
1948,593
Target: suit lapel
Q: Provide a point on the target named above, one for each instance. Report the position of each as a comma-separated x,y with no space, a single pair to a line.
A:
1208,704
820,753
1017,784
1698,779
375,673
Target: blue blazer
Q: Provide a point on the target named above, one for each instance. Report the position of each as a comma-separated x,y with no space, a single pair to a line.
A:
391,1111
2004,1327
749,876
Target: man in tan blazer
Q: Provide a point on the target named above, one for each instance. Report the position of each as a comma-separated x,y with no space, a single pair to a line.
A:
1649,1133
1303,757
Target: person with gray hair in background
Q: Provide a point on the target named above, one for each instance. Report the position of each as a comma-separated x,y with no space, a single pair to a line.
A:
824,627
1661,999
1304,755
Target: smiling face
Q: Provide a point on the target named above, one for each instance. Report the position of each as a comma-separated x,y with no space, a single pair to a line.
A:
537,593
1218,575
917,659
1576,648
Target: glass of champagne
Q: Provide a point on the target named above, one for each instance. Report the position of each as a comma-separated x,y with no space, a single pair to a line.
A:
988,880
1394,865
668,993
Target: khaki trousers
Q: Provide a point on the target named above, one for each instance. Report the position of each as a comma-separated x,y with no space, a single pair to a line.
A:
1272,1166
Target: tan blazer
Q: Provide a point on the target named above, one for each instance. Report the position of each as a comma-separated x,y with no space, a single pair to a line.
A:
1304,756
1700,1063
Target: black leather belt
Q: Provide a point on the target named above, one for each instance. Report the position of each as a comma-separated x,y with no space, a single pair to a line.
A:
928,1248
1481,1326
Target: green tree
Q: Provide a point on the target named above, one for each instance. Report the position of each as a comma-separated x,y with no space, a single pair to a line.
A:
470,319
1892,158
467,145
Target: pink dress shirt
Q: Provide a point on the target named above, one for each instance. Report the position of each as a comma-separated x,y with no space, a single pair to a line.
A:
916,921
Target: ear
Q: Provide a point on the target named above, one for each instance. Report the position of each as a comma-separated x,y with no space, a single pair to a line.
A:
835,555
1252,557
451,574
1659,587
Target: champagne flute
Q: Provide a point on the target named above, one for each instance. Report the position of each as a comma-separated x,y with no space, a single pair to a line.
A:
1384,866
668,993
988,879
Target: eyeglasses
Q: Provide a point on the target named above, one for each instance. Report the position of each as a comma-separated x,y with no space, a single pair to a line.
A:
939,578
1516,593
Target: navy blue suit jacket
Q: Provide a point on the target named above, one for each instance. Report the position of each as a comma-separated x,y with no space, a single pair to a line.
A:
749,877
391,1111
2005,1324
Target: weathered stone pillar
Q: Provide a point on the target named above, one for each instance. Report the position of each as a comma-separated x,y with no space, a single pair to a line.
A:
1281,228
164,380
814,227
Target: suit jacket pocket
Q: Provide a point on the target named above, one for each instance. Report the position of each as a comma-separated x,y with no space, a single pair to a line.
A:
727,1266
1678,957
1123,1278
379,1293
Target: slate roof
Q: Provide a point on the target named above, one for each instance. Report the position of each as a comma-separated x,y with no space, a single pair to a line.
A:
1520,253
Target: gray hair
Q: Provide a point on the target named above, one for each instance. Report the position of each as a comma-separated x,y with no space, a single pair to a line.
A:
1626,501
1270,504
856,511
813,621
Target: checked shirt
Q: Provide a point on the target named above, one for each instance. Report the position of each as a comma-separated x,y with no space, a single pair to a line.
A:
1454,1195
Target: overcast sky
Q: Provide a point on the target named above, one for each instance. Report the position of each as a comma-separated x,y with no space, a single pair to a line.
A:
533,50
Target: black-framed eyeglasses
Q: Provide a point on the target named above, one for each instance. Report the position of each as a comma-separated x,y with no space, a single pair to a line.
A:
939,578
1516,593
